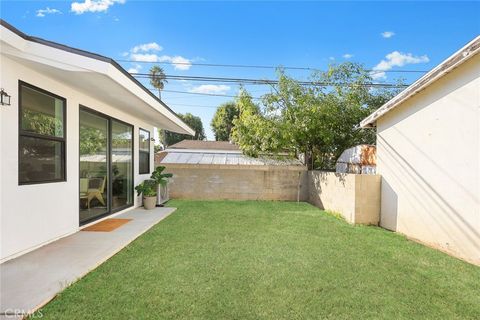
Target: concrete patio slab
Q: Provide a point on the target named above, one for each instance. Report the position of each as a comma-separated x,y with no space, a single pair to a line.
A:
33,279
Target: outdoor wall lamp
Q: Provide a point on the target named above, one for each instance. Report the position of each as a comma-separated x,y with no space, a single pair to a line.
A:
4,98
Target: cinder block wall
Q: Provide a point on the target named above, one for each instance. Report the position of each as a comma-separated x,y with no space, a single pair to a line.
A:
237,182
354,196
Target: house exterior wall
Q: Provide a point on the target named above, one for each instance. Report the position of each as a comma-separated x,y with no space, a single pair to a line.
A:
33,215
236,182
428,152
356,197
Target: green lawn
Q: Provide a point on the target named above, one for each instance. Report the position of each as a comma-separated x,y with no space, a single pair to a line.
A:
271,260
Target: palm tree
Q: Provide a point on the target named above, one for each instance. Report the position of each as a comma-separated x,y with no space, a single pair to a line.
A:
158,79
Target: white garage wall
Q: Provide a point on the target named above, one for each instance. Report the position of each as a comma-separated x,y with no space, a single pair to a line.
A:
32,215
428,152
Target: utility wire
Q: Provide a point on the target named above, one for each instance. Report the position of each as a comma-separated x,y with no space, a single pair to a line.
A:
198,93
252,81
256,66
193,105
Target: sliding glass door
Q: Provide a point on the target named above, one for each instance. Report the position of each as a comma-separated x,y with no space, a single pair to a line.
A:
122,165
94,166
106,165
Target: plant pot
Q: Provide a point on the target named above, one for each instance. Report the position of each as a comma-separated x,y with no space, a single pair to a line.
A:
149,203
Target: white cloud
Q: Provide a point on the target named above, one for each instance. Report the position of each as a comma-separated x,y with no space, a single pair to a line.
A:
348,55
181,63
396,59
93,5
42,12
146,47
378,75
144,57
135,68
210,88
387,34
147,53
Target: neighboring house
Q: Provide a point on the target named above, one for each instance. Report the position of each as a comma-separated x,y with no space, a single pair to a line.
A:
219,170
428,153
74,141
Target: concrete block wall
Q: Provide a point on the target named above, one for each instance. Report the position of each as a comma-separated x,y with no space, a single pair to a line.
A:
355,197
212,182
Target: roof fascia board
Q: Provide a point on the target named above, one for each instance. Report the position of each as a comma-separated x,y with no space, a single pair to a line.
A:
37,53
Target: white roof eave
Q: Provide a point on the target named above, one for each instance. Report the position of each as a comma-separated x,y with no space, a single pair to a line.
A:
156,104
61,58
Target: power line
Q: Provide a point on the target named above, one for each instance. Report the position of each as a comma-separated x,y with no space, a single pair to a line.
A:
199,93
256,66
221,65
193,105
252,81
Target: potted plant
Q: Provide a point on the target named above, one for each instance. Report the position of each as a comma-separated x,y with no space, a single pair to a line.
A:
161,179
149,190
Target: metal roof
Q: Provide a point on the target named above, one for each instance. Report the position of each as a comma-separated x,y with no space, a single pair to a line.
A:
218,158
204,145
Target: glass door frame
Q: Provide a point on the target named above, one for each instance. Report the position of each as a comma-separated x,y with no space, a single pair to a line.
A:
109,119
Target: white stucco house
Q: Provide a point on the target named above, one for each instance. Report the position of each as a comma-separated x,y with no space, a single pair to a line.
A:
428,154
75,139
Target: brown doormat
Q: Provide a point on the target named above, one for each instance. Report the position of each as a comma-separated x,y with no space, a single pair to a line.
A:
107,225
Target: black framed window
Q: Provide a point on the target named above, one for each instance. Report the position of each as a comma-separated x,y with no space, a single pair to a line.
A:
41,141
144,151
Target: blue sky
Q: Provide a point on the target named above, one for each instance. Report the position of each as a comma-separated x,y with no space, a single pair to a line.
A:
381,35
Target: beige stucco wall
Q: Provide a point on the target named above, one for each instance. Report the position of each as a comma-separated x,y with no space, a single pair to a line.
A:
428,152
354,196
236,182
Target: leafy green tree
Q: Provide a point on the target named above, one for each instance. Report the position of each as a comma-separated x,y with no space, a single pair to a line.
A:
168,138
222,122
319,121
158,79
254,132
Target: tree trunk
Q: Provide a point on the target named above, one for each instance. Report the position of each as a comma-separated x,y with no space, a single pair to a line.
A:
308,159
